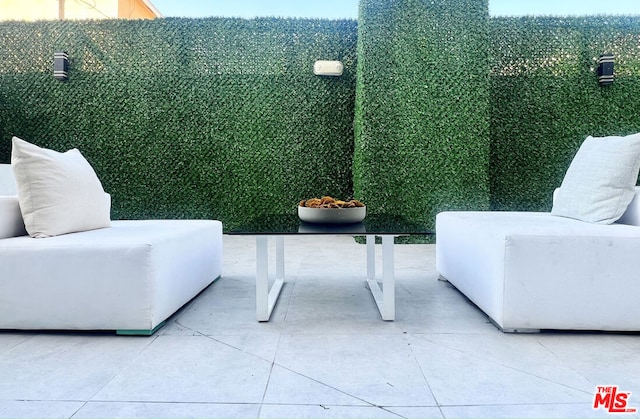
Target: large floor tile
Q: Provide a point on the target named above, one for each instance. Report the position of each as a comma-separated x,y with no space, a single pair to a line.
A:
550,411
290,387
324,411
416,412
229,309
434,306
376,369
17,409
461,377
631,340
114,410
247,335
518,352
325,305
190,369
602,358
65,366
261,346
9,340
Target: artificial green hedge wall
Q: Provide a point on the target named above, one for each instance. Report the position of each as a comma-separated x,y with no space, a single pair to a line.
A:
223,118
188,118
458,111
546,99
422,116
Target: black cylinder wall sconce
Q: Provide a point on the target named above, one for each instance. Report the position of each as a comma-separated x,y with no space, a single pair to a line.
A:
61,65
605,69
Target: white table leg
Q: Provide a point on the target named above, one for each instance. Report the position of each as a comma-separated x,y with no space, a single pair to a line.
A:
385,296
280,257
266,298
388,280
262,279
371,257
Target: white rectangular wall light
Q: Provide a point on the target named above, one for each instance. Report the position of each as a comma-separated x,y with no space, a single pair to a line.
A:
327,68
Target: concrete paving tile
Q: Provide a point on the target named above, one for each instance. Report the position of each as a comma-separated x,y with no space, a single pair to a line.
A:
263,346
229,309
190,369
342,323
328,265
347,289
440,311
631,340
377,369
339,303
416,412
323,411
289,388
174,328
337,293
115,410
602,358
65,366
9,340
520,352
38,409
550,411
462,378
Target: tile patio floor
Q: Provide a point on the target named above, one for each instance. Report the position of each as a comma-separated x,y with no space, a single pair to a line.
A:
324,354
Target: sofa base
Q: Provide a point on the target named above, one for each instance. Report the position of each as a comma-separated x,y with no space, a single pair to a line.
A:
493,322
129,277
140,332
533,271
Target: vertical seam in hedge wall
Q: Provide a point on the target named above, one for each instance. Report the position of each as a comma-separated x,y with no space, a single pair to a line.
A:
422,107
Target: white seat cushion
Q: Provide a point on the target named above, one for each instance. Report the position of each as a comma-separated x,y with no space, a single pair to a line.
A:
7,181
11,224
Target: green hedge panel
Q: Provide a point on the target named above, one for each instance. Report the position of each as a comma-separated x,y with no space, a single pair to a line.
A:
189,118
422,118
547,100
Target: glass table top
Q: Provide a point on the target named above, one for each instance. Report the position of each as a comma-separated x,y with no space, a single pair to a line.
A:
290,224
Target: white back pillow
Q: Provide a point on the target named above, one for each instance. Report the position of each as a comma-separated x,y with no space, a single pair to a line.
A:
59,193
599,183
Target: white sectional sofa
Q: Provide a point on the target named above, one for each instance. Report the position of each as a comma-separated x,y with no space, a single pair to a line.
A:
129,277
530,270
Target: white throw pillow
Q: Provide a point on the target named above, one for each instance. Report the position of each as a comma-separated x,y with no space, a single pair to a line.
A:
59,193
600,181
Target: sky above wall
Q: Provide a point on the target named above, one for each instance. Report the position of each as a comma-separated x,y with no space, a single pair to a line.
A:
348,9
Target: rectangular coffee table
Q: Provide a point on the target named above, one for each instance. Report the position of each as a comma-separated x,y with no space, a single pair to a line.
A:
279,226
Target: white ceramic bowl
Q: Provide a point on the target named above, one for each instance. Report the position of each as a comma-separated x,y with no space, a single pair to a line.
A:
332,215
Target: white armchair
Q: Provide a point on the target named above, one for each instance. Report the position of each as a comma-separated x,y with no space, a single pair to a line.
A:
129,277
531,270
